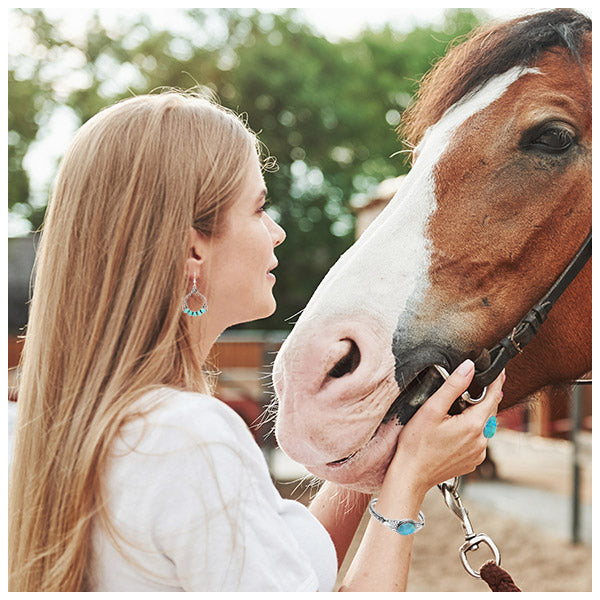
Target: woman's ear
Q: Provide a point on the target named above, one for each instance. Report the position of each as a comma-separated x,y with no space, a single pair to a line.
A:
197,249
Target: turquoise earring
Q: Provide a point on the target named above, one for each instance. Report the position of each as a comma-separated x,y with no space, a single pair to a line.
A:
195,292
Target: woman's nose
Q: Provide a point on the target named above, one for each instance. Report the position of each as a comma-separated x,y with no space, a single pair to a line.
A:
277,233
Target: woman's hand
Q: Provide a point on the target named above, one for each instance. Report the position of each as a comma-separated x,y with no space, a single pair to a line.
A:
434,446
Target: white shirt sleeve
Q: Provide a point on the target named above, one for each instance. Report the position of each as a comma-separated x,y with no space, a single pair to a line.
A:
191,495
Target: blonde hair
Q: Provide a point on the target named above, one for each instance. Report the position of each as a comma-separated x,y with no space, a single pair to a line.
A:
105,322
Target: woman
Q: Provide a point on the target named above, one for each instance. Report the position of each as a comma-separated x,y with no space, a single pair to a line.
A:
127,474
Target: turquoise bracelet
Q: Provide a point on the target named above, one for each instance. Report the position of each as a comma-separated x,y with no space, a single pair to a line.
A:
401,526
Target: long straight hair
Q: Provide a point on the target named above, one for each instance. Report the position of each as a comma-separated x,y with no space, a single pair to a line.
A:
105,322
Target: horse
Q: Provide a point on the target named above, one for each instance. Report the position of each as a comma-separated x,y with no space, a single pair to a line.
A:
495,205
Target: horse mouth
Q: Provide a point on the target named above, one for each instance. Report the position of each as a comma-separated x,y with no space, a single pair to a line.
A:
347,459
421,387
341,461
406,404
414,394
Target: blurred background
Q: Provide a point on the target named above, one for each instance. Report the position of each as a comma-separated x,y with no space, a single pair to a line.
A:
326,92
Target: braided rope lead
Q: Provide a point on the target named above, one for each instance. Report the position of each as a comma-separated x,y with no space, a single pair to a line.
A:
497,578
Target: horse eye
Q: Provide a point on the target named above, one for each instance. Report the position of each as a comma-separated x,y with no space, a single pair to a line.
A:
552,139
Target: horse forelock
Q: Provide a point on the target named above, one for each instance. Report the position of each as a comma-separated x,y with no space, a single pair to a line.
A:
489,51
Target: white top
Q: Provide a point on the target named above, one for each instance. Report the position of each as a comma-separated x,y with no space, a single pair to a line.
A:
190,493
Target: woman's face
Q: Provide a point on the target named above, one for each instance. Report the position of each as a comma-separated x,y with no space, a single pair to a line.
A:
236,272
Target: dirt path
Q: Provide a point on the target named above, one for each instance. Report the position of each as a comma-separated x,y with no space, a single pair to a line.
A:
537,561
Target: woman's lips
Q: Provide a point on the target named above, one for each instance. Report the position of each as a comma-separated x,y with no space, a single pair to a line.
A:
271,268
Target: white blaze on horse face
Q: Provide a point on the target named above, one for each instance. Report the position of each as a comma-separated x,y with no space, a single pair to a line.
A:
365,297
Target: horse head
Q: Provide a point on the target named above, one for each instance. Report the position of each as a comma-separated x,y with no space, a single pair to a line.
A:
497,202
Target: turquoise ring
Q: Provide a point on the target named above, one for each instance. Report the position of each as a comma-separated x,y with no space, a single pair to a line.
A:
490,427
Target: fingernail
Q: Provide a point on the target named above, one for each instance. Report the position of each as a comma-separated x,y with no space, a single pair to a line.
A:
465,368
503,375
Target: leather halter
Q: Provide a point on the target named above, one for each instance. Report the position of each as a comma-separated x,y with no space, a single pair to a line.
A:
490,362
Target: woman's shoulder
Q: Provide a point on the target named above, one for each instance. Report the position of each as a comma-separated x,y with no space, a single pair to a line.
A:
177,438
167,403
180,416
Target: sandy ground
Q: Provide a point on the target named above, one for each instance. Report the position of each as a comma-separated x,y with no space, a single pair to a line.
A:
536,561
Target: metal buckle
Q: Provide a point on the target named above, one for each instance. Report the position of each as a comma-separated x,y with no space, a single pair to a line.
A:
452,498
514,342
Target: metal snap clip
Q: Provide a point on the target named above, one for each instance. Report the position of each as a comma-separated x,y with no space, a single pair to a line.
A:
473,544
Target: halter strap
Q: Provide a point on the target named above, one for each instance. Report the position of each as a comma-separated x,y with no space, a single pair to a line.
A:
490,362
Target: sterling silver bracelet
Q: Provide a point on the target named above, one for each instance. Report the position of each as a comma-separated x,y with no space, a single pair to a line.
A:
401,526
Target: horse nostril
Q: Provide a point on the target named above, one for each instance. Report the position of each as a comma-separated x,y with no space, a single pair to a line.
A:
348,363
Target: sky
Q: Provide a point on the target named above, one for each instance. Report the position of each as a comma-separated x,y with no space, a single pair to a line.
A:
333,21
328,20
345,20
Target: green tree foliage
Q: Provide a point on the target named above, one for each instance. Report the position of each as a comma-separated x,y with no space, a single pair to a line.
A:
327,111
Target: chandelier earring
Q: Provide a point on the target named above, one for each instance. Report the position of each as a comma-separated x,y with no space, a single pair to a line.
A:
195,313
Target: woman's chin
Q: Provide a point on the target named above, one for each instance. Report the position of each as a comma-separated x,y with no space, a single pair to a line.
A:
270,306
262,311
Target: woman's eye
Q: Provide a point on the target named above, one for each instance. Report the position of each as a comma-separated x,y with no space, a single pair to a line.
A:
266,205
553,140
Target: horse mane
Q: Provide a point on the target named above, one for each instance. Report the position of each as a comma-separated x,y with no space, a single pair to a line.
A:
488,51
